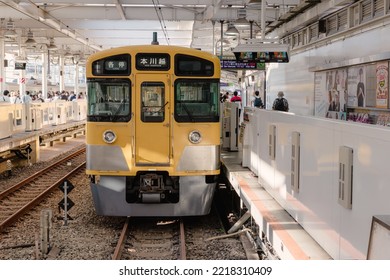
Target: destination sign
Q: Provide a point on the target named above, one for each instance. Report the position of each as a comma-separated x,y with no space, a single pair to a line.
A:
115,65
118,65
234,64
148,61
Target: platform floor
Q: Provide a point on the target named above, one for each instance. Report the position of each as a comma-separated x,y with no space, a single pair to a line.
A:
287,237
48,152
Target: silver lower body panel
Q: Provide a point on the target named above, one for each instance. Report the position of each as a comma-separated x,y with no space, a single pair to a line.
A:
109,197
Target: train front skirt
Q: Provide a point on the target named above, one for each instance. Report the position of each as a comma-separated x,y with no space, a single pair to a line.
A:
195,198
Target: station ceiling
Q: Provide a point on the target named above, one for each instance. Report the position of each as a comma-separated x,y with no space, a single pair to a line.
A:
70,26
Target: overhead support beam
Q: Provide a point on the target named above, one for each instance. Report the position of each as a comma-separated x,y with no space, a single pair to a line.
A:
120,9
40,15
27,9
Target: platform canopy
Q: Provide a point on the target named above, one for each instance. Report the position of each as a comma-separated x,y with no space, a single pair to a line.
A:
82,27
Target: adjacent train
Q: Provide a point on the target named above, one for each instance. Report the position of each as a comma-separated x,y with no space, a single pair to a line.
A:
153,130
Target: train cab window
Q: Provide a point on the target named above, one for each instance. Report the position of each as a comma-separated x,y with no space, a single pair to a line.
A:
109,100
153,102
196,100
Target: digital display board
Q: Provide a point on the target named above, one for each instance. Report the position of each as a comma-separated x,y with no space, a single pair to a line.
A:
149,61
249,64
20,66
263,56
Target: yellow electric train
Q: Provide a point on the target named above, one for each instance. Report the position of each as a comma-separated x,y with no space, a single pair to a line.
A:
153,130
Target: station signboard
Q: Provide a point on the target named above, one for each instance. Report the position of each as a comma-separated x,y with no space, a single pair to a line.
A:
243,64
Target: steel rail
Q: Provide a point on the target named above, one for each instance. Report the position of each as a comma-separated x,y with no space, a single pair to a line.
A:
121,242
31,178
17,214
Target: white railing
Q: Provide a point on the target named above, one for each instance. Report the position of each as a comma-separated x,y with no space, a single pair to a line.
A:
342,168
16,118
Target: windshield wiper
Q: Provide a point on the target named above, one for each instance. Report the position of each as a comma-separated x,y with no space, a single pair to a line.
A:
162,107
186,109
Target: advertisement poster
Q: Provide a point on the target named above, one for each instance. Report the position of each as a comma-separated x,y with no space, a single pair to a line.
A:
356,86
382,89
320,100
331,93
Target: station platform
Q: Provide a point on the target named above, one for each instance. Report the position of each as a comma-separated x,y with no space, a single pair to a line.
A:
47,136
287,238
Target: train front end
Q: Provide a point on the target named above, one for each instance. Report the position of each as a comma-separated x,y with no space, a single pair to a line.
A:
153,131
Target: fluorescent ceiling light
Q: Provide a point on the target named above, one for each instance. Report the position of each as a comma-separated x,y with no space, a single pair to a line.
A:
241,22
232,30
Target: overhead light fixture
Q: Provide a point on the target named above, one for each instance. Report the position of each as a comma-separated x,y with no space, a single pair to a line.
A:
51,45
241,22
254,3
10,40
10,32
68,54
232,30
30,38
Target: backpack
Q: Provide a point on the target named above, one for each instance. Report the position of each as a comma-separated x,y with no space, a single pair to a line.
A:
280,104
258,102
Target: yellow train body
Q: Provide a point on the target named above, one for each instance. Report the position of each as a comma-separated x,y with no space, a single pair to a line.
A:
153,130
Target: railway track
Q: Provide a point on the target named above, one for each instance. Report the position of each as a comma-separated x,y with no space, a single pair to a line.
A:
151,239
23,196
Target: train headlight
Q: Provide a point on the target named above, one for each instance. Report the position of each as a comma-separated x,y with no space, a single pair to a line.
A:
109,136
195,137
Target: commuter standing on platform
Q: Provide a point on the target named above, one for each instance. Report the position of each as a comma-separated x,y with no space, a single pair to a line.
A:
26,98
226,97
280,103
15,99
257,102
235,97
72,96
5,97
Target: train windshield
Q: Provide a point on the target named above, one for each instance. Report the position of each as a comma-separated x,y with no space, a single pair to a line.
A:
109,100
196,100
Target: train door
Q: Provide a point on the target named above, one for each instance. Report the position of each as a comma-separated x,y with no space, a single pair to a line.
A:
152,128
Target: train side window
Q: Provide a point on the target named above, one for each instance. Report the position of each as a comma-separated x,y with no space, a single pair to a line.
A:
153,102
